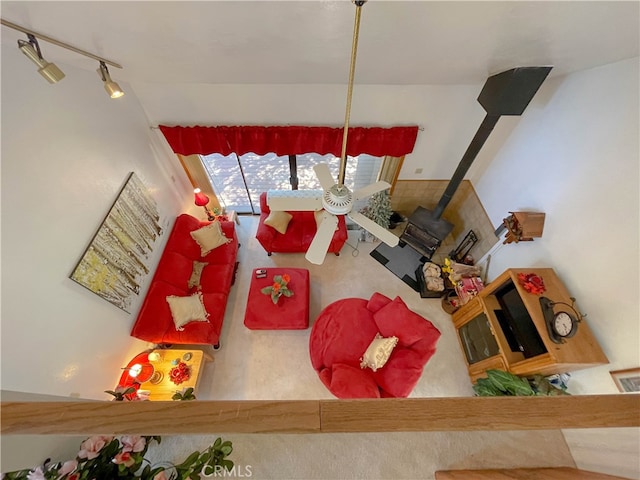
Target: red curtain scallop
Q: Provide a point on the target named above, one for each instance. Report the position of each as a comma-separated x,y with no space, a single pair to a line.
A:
290,140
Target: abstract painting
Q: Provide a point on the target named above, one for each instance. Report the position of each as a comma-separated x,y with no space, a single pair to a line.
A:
116,259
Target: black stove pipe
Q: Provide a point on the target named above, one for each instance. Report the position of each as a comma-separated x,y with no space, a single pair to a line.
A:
485,129
506,93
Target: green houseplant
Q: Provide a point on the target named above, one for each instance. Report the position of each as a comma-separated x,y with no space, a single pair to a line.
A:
501,383
187,394
379,209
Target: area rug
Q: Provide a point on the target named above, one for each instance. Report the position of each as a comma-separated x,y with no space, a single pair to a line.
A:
402,261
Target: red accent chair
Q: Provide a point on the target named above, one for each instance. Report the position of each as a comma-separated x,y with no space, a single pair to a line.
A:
343,331
300,232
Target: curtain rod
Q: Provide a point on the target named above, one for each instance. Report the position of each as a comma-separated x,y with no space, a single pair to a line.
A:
58,43
156,127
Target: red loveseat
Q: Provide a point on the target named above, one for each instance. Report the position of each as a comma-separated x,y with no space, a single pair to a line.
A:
299,234
343,331
154,322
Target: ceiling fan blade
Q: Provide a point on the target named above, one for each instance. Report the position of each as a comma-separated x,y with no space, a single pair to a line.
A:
324,176
294,200
321,241
382,233
370,190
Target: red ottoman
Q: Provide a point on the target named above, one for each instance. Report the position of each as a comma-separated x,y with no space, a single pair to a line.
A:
290,313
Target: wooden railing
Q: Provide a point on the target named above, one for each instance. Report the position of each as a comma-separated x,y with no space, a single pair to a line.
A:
321,416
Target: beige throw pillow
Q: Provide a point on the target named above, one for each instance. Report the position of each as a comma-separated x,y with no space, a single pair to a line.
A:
279,221
196,273
187,309
209,237
378,352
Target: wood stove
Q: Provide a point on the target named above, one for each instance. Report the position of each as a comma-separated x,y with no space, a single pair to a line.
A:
506,93
423,234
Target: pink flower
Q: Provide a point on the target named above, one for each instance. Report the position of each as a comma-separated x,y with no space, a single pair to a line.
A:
68,467
36,474
92,446
124,458
160,476
132,443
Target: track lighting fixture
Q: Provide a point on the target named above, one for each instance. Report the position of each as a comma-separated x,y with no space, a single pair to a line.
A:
112,88
50,71
32,50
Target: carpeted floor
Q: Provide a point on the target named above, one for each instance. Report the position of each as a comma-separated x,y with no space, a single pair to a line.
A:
275,364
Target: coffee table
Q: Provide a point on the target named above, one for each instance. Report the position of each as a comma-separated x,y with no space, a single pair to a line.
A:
290,313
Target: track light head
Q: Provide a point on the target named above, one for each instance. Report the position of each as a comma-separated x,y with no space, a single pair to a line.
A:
112,88
32,50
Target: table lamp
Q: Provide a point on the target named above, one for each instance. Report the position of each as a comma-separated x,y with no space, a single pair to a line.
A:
202,200
141,372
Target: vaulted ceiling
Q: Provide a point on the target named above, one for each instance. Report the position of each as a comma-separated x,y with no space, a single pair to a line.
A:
309,42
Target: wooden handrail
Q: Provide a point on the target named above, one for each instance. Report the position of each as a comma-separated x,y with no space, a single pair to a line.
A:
320,416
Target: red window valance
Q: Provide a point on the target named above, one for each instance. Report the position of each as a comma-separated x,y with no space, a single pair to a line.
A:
290,140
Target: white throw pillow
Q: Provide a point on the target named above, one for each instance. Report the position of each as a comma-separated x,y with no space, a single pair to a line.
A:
378,352
187,309
209,237
278,220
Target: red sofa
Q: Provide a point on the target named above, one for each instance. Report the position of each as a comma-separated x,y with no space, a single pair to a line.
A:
155,322
300,232
343,331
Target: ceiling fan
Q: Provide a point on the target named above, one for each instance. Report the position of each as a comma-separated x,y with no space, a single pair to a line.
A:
334,198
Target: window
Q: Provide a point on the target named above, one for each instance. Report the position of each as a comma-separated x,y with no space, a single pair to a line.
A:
239,180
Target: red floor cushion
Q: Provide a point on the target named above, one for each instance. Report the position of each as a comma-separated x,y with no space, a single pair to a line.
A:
344,330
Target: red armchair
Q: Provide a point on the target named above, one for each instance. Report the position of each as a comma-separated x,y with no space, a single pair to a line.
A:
343,331
299,234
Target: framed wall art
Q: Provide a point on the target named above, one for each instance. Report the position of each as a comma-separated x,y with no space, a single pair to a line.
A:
627,380
116,259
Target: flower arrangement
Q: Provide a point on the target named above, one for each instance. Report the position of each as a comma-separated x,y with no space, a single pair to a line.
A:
532,283
104,457
180,373
279,288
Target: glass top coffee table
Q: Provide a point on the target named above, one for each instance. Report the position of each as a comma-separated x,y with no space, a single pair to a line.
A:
290,313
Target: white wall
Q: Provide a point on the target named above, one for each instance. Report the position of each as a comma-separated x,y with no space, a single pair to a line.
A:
66,151
574,156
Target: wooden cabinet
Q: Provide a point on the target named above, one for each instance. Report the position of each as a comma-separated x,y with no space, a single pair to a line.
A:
523,226
504,328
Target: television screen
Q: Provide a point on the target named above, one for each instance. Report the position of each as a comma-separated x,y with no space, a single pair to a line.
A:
519,322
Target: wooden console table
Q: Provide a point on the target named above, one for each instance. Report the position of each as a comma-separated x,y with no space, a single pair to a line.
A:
491,339
164,389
